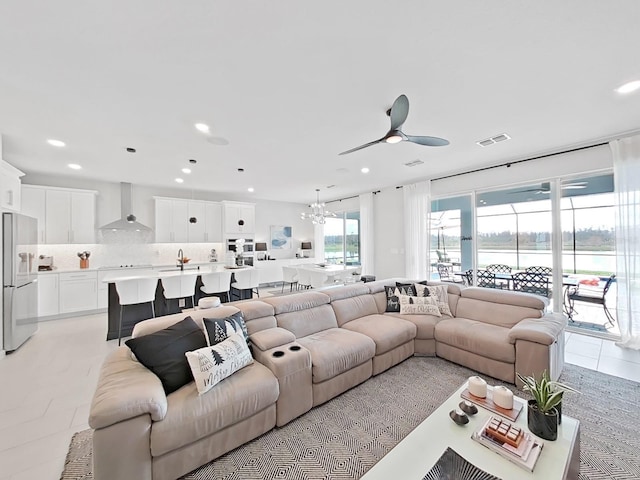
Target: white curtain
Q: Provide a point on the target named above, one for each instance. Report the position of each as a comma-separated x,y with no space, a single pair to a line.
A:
367,251
626,174
417,204
318,237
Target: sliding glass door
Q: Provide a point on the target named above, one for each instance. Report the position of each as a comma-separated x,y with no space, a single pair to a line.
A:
342,239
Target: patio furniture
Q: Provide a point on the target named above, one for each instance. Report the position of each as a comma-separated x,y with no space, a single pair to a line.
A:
540,270
500,268
590,294
445,272
535,283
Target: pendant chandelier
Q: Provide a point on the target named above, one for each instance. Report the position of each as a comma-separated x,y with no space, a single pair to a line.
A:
318,214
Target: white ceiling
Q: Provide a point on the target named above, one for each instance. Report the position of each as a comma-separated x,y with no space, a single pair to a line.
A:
291,84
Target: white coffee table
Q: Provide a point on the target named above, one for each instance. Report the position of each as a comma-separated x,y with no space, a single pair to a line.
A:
414,456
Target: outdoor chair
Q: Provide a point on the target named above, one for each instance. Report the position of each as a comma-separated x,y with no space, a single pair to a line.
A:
590,294
487,279
535,283
500,268
540,270
445,272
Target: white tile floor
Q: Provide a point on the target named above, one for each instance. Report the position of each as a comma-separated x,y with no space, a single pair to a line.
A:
48,383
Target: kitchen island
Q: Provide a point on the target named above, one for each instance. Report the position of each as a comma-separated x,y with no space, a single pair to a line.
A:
133,314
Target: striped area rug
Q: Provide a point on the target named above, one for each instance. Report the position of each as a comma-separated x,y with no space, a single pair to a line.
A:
345,437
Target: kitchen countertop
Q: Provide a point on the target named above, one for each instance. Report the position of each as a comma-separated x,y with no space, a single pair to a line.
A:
124,269
117,275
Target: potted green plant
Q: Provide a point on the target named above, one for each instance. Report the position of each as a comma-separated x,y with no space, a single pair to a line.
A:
543,411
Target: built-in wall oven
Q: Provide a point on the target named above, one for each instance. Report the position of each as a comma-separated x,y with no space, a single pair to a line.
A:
247,249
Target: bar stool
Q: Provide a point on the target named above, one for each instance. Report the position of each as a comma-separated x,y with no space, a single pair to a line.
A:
133,292
247,279
217,282
179,286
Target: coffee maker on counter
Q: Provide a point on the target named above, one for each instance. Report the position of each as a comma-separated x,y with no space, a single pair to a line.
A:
45,263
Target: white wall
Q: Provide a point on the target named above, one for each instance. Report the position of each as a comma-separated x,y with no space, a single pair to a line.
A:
389,233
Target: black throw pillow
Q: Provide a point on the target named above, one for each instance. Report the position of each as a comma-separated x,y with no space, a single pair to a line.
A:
218,329
163,352
393,302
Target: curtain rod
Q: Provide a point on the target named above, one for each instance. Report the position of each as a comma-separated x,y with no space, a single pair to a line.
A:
508,164
349,198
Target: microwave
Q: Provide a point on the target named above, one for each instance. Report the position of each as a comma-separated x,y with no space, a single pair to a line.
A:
247,248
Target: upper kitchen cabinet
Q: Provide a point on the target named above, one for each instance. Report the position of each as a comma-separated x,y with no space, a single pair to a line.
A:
239,218
187,221
65,215
9,187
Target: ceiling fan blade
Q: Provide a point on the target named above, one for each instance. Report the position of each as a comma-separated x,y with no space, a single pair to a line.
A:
428,141
362,146
399,112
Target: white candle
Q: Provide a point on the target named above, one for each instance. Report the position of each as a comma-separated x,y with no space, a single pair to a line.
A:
477,387
503,397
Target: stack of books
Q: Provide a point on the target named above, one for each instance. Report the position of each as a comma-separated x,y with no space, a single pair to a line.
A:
509,441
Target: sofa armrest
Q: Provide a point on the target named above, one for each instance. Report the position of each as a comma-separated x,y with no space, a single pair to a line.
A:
126,389
544,330
272,337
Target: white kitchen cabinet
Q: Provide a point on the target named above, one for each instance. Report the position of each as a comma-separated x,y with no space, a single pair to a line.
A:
78,291
239,218
213,222
9,187
33,205
64,215
172,220
48,294
173,225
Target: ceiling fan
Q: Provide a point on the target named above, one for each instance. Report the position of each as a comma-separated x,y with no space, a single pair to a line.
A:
545,187
398,113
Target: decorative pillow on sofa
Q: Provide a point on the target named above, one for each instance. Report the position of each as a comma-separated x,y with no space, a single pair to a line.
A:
419,305
163,352
211,365
439,292
218,329
393,304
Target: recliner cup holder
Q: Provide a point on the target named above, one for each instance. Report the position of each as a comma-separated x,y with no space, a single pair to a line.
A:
278,353
295,348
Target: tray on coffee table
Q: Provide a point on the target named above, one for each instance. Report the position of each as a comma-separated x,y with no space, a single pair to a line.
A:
488,403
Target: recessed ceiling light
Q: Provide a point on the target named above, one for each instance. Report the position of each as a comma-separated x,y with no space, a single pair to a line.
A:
364,170
56,143
629,87
250,189
74,166
202,127
186,170
179,180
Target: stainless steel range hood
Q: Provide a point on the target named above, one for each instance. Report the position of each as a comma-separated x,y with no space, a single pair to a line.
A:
127,221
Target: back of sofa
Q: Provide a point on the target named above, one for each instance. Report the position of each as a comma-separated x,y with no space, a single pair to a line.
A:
351,302
303,313
499,307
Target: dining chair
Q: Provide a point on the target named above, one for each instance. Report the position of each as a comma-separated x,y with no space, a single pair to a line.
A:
590,294
529,282
500,268
217,282
540,270
290,277
317,279
487,279
304,277
133,292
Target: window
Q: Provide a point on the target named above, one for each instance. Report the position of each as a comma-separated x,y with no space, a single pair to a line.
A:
342,239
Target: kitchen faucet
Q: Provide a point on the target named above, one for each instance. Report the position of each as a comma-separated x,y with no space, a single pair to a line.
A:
181,259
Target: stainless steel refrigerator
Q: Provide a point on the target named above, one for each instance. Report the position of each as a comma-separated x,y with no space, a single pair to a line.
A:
19,279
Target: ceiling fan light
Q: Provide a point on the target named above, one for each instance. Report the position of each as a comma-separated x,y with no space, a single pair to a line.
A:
395,138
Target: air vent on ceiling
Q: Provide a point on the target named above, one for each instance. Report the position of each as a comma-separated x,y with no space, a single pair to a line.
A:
414,163
490,141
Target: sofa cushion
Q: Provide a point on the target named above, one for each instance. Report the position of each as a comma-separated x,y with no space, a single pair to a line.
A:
163,351
481,338
335,351
191,417
218,329
347,309
308,321
387,332
439,293
425,324
419,305
392,292
210,365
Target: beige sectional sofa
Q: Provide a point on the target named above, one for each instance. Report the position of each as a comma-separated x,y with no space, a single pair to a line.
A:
308,348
